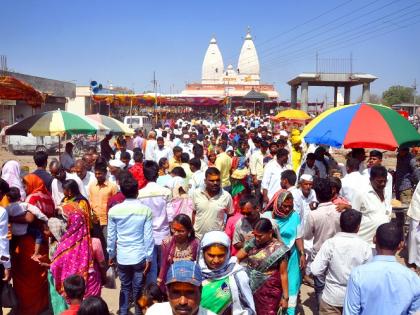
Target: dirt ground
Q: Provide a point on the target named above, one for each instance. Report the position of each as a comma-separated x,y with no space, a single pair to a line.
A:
111,296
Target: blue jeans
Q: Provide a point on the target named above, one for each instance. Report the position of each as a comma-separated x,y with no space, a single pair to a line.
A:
154,268
131,277
319,285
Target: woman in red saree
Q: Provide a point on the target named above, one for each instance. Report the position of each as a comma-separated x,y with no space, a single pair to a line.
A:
29,277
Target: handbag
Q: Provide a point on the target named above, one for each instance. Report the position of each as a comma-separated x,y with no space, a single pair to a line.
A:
8,296
110,282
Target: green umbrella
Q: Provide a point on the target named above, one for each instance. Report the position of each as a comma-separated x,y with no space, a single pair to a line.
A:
56,123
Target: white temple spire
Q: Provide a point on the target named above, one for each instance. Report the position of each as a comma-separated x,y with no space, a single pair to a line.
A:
212,69
248,63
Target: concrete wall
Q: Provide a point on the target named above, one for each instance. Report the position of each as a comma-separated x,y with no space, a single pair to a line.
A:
77,105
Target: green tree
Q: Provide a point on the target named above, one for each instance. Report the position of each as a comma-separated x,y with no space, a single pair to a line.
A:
398,94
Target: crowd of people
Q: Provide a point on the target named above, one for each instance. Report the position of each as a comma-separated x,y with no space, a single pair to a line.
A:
208,218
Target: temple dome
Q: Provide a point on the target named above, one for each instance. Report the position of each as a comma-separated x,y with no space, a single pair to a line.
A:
213,67
248,63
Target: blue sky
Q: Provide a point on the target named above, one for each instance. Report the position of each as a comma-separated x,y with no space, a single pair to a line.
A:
123,42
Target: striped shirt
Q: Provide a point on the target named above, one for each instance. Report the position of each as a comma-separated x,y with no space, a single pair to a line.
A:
130,225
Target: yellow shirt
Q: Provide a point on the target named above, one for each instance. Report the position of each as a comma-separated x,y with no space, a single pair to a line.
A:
224,164
173,163
4,202
296,158
98,199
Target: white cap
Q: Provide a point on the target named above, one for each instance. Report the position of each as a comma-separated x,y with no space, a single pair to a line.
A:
283,133
307,177
117,163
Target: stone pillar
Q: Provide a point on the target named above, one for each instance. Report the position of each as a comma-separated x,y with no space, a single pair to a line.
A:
335,95
304,96
293,95
366,92
347,95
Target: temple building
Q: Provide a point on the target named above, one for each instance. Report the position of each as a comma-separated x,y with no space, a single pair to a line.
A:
218,81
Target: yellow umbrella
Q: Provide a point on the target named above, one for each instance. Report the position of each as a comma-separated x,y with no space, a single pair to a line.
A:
292,114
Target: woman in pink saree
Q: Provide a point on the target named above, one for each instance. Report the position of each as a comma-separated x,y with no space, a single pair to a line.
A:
74,254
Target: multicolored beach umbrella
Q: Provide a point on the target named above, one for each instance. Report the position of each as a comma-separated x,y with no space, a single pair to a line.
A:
361,125
116,126
56,123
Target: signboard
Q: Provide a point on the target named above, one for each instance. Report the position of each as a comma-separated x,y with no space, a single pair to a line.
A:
7,103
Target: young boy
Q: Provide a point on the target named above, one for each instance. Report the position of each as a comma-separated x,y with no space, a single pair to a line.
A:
74,287
17,208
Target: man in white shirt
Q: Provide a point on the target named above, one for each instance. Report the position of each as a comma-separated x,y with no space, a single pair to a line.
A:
123,148
150,148
186,145
270,183
162,151
60,176
256,165
322,224
156,198
304,200
67,159
373,203
336,259
375,158
87,177
303,197
198,152
183,283
197,180
352,182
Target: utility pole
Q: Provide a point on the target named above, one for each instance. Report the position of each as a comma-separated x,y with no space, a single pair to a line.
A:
414,96
155,90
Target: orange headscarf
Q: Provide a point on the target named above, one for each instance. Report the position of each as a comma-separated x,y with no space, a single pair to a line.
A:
35,184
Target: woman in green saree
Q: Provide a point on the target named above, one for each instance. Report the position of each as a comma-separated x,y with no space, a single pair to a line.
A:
224,280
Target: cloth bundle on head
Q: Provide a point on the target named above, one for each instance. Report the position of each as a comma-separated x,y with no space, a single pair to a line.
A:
11,174
35,184
216,238
295,132
117,163
38,195
277,201
295,137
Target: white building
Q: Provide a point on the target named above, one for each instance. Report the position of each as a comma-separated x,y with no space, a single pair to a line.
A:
218,81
